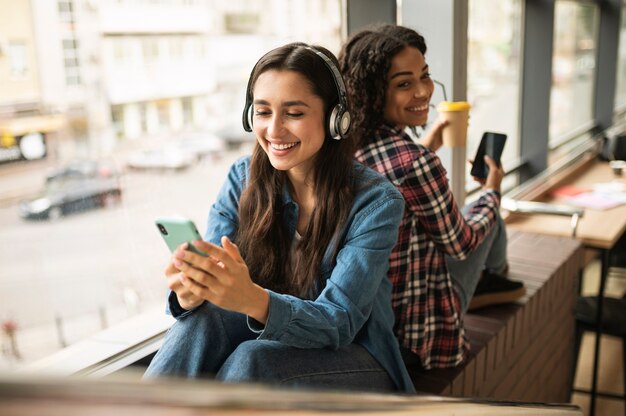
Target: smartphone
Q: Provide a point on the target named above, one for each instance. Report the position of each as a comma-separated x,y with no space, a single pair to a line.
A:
176,231
492,145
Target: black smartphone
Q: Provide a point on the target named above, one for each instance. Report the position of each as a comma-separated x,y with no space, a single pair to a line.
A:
492,145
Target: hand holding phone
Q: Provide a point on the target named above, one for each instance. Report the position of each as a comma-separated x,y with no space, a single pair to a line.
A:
176,231
492,145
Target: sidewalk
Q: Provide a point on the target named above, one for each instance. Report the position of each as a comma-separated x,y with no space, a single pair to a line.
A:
21,180
36,343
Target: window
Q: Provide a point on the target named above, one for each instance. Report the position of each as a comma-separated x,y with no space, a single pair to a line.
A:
150,49
117,120
493,73
573,69
187,104
620,93
98,262
18,65
66,11
71,61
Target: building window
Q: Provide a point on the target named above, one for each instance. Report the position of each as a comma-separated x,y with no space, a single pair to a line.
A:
150,50
187,103
493,72
71,61
117,120
66,11
18,65
573,69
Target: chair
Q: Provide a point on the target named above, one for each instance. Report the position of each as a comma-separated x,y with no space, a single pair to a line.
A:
612,323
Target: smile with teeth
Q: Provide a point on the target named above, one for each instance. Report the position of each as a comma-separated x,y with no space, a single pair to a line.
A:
283,146
423,107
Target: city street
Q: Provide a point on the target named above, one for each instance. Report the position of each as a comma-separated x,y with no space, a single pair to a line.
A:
69,278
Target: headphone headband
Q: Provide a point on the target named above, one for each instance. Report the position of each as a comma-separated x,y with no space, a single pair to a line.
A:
338,118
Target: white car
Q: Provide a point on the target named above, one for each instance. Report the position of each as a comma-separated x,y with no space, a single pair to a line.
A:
168,157
201,144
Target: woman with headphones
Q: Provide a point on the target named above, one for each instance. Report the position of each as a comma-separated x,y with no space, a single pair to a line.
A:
294,288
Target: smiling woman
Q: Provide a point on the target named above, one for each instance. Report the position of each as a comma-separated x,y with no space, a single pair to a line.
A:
281,298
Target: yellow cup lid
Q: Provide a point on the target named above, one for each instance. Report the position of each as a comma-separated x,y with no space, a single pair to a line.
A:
453,106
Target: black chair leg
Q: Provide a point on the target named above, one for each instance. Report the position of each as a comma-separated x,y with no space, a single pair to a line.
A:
624,370
578,337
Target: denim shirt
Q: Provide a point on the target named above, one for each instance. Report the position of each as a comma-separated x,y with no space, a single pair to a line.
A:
355,304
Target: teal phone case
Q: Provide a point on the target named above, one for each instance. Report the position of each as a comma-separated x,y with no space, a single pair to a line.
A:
176,231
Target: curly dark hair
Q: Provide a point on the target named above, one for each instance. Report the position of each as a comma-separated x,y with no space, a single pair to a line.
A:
364,61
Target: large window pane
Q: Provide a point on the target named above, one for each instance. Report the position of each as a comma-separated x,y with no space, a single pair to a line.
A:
620,93
99,260
573,68
493,74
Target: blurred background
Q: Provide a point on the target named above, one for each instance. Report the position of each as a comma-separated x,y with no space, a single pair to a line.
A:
114,112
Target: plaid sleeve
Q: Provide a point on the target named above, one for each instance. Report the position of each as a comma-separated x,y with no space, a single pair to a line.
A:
427,194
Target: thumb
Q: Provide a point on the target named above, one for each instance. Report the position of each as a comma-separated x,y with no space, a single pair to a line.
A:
490,162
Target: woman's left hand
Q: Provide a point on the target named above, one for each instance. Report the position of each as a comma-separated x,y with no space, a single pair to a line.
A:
434,139
222,278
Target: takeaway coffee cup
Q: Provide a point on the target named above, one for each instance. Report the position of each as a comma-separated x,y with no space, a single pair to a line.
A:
457,114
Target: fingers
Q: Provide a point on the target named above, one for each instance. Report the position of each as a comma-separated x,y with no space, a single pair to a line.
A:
496,173
440,123
193,287
215,253
199,273
231,249
481,181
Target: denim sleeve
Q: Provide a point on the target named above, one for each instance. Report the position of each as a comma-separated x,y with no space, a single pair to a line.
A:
337,315
223,215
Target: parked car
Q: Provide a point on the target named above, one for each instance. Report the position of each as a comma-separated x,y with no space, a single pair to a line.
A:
201,144
234,135
76,187
81,169
169,157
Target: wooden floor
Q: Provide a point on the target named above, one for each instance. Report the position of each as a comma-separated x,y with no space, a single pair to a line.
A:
610,373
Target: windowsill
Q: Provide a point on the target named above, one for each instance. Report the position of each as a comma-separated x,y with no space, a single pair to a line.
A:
109,350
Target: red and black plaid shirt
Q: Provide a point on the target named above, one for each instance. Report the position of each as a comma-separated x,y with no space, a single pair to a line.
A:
426,306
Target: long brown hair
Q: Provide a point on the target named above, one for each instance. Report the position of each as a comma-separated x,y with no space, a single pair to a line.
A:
364,61
263,237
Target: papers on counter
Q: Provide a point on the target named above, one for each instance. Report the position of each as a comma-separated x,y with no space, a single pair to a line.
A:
599,196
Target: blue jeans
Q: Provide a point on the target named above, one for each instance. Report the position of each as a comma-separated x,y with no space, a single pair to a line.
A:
490,255
214,342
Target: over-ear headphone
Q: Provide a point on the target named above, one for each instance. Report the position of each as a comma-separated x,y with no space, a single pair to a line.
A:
337,119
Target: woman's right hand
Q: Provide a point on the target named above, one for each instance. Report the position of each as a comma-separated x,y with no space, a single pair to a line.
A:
186,299
434,139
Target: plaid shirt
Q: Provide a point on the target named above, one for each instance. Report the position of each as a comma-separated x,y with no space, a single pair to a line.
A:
427,311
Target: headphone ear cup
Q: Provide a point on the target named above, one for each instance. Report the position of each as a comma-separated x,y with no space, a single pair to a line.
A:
247,118
338,122
332,125
345,121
